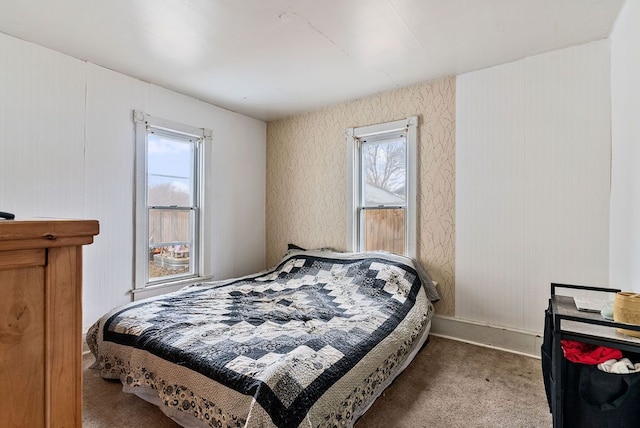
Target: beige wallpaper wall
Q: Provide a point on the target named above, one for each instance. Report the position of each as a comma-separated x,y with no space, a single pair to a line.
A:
306,175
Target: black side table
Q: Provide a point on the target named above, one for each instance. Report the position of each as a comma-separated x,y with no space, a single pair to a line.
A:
588,327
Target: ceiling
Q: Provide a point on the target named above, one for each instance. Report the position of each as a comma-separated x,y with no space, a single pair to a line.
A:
270,59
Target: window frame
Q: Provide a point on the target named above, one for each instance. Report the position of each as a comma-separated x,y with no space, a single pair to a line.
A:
144,122
354,236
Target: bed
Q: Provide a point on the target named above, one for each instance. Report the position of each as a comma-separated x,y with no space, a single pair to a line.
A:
311,342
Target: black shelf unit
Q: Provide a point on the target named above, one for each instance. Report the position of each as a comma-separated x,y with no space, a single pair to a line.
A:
572,324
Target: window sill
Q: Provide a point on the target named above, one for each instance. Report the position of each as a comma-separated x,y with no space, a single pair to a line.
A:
173,284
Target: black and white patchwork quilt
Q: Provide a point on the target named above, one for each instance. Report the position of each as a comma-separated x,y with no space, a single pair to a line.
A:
310,343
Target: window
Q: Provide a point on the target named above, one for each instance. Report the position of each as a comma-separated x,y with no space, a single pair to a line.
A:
382,181
169,200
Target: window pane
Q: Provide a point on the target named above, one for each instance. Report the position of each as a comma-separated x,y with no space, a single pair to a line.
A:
384,172
169,171
169,226
170,242
384,230
168,261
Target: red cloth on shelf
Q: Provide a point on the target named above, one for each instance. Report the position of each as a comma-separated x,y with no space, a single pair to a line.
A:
584,353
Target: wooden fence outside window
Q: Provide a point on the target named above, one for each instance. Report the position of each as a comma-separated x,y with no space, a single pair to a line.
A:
384,230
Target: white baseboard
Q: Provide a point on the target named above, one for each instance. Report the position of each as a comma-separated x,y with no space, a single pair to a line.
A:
519,342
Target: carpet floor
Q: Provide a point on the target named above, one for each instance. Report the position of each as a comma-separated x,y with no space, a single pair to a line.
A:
450,384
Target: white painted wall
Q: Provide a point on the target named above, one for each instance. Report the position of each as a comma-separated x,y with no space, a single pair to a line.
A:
625,134
66,150
532,183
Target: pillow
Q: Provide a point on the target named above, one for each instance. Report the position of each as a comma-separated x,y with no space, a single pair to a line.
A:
427,282
295,247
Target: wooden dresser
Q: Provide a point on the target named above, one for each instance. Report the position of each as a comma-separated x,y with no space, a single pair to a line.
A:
41,321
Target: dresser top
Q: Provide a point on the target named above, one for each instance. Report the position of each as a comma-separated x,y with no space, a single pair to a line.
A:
45,233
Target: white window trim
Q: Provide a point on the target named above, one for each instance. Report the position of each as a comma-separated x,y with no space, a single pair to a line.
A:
141,228
354,174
